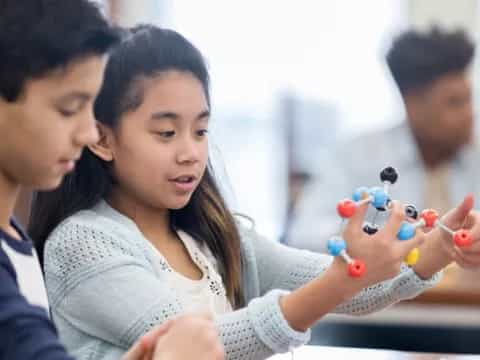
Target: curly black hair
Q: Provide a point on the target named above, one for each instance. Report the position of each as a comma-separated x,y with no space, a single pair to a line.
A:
416,58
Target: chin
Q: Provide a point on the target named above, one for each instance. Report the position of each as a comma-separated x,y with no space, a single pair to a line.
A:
179,204
48,184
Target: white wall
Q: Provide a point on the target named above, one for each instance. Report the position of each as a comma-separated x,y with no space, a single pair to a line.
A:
132,12
448,13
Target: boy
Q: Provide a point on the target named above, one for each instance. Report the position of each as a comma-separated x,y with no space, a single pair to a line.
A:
53,58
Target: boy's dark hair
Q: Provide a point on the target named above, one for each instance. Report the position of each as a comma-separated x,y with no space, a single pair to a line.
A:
416,59
38,36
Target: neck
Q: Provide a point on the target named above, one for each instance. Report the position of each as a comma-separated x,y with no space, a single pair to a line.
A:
153,222
433,158
9,191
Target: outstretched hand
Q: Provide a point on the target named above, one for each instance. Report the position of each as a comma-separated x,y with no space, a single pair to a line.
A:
463,217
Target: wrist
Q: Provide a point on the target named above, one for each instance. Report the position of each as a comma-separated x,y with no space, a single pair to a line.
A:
434,254
440,242
307,304
345,285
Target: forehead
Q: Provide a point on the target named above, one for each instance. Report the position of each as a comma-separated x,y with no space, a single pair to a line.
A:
83,74
174,89
451,83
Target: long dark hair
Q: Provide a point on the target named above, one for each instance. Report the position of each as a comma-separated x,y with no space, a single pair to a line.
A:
145,51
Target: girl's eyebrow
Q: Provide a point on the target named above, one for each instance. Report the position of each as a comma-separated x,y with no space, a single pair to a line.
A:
164,115
170,115
204,114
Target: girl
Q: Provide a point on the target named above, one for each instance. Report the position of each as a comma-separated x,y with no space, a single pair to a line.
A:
139,232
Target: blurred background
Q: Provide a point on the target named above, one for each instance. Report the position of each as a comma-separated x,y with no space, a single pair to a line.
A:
291,80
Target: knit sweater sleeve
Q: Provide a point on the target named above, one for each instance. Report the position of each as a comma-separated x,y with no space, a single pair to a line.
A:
282,267
100,284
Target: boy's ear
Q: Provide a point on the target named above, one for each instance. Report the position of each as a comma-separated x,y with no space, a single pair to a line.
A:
103,147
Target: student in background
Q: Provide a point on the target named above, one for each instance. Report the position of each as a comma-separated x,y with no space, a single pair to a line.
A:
433,149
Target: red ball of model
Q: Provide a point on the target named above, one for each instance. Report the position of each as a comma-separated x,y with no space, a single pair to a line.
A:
462,238
429,216
346,208
356,268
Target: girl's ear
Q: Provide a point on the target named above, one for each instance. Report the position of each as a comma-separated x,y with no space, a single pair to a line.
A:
103,147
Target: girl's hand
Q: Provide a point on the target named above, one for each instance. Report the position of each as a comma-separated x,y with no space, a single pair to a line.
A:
463,217
382,253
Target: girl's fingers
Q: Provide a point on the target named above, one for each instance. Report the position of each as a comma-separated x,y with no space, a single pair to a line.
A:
397,216
459,214
356,221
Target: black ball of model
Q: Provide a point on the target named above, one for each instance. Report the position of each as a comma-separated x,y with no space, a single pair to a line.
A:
389,174
370,229
411,211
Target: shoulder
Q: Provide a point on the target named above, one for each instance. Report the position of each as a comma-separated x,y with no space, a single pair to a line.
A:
88,238
246,228
15,252
252,243
367,144
8,269
92,226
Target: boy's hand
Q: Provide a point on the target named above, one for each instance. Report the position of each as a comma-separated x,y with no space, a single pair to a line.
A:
190,337
144,347
167,341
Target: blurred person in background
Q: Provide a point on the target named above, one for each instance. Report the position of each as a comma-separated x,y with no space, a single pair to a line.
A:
433,149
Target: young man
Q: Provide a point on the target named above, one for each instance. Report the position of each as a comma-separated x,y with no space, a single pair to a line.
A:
53,55
433,148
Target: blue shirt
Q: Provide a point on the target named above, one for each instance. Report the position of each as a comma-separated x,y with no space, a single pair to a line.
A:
26,331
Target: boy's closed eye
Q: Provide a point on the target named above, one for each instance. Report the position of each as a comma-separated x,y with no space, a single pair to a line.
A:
71,104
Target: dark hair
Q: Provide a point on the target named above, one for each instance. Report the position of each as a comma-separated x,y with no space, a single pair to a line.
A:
41,35
146,51
416,59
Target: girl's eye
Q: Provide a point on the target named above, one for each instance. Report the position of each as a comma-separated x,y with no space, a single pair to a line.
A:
166,134
202,132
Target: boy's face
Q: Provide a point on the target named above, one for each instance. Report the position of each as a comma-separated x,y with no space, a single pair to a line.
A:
44,131
443,113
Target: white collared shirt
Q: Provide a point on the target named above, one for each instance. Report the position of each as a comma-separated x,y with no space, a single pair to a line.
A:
205,295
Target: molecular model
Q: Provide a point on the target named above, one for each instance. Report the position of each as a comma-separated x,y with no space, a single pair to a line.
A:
379,198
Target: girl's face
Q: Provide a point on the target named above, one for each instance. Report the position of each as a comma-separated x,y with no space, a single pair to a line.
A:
160,150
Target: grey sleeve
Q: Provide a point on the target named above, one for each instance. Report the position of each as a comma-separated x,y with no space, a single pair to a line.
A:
281,267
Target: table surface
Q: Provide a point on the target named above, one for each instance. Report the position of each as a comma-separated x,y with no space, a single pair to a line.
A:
457,287
327,352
